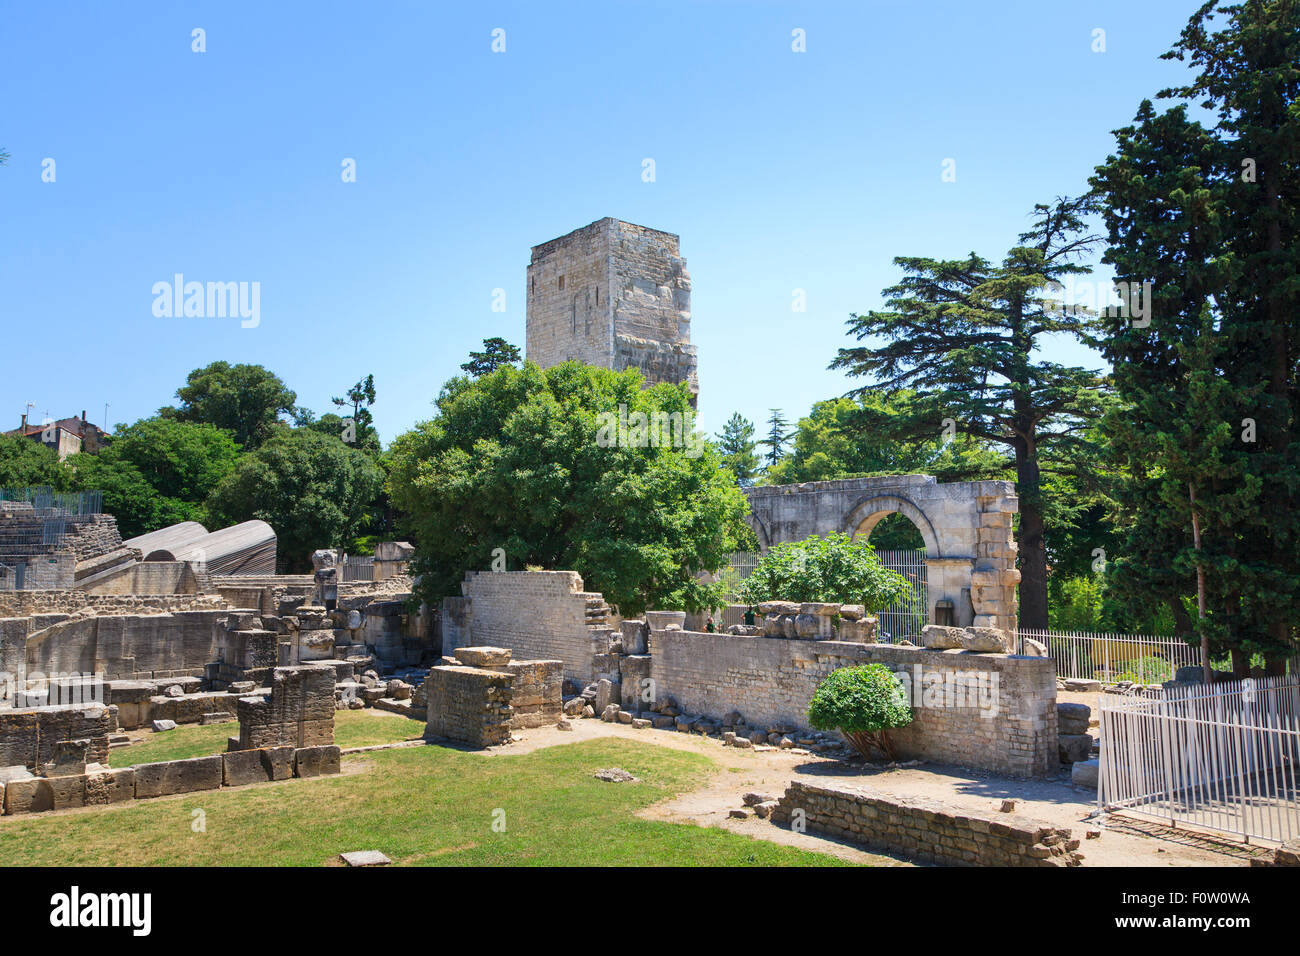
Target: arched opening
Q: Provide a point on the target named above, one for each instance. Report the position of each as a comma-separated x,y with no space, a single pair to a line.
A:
905,542
901,548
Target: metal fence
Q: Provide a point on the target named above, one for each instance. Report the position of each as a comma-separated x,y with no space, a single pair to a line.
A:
46,502
740,565
358,569
904,620
1112,658
1223,757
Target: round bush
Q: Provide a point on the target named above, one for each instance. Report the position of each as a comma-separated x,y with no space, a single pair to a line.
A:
863,703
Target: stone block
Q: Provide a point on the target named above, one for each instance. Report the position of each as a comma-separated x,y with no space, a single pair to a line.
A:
316,761
1075,748
178,776
1084,773
108,786
1073,718
483,656
937,637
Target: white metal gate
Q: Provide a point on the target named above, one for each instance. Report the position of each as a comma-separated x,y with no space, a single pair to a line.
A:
905,619
1224,757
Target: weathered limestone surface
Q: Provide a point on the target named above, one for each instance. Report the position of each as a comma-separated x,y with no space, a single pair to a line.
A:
614,295
241,767
316,761
178,776
469,705
966,526
985,710
30,737
925,831
536,694
537,615
299,712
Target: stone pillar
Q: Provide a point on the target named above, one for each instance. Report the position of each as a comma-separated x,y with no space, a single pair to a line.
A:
995,577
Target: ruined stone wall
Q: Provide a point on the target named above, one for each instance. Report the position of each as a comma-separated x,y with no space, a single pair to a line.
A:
66,601
130,645
536,694
299,712
539,615
925,831
1003,719
28,736
148,578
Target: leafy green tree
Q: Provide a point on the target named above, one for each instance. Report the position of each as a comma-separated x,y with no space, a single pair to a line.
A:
25,463
778,436
496,353
312,489
737,447
531,467
246,400
962,335
180,460
129,496
863,703
834,569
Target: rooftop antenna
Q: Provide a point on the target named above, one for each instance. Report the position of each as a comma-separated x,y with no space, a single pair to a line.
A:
106,416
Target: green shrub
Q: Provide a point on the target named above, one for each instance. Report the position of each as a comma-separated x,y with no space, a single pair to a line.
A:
833,570
862,703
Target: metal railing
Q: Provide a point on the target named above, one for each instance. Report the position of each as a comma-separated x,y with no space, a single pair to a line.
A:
905,619
1223,757
46,502
358,569
1113,658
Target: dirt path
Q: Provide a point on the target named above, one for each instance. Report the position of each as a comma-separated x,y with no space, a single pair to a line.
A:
1055,802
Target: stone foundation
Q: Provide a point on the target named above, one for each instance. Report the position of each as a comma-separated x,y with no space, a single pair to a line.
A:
924,831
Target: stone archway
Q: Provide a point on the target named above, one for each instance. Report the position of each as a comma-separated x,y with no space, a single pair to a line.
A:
966,527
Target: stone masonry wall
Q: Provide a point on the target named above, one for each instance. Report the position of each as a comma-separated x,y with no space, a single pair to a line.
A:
299,712
989,711
470,705
615,295
538,615
924,831
28,737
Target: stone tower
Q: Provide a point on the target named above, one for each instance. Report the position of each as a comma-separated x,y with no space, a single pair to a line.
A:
614,295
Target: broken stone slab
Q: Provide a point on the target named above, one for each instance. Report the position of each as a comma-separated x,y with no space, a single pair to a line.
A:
753,798
364,858
316,761
69,758
160,726
938,637
243,767
1082,685
615,775
853,612
986,640
607,692
1034,648
778,607
764,810
1074,748
178,776
482,656
1084,773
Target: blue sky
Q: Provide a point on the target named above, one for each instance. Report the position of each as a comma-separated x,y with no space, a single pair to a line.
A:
779,170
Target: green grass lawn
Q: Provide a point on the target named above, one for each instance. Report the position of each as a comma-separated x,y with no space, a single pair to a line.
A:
426,806
352,728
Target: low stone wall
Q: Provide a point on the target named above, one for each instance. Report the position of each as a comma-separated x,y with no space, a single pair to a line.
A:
536,693
28,737
154,578
26,603
989,711
126,646
105,785
924,831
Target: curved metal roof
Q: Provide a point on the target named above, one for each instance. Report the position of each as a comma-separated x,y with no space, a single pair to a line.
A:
171,538
246,548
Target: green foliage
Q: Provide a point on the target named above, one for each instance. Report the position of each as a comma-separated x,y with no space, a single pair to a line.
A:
1151,669
895,532
496,353
863,703
26,463
313,490
778,436
961,337
1210,420
246,400
522,460
737,447
833,569
358,429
